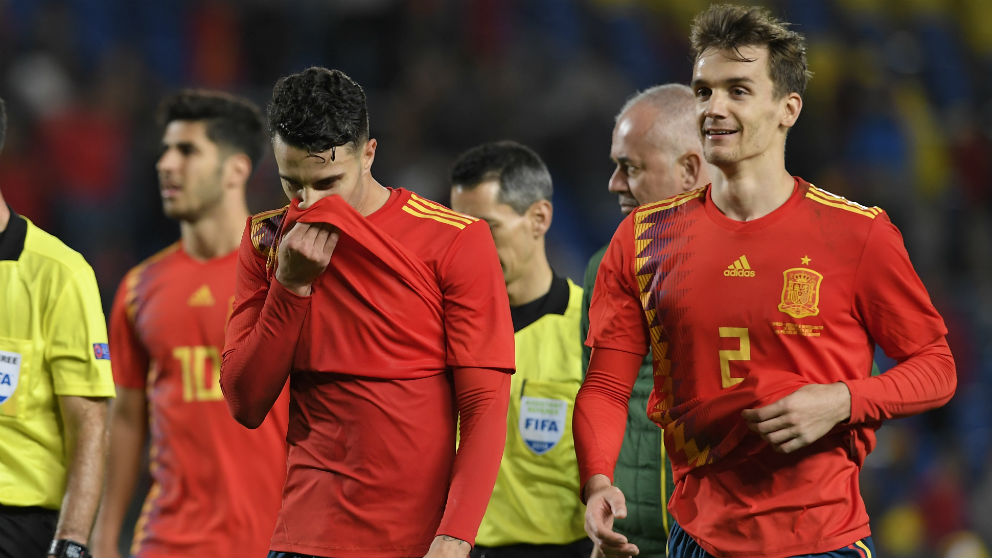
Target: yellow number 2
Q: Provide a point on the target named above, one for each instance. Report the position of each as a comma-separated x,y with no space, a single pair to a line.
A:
197,385
744,353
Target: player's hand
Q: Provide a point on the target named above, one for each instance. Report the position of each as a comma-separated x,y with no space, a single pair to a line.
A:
604,503
802,417
304,253
445,546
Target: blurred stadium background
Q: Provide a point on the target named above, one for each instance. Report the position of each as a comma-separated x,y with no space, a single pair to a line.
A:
899,114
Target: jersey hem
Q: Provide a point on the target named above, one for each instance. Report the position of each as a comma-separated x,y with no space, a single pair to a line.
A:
817,547
350,552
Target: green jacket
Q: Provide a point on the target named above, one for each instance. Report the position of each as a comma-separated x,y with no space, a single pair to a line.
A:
643,472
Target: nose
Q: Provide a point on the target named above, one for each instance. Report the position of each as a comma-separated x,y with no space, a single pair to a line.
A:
167,161
715,106
306,198
618,182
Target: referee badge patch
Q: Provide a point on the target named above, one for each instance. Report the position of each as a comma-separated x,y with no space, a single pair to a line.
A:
10,374
101,351
542,422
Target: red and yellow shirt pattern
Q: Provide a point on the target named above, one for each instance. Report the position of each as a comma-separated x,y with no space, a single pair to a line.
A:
739,314
215,484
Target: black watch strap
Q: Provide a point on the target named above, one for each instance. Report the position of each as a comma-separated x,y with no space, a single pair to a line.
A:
67,548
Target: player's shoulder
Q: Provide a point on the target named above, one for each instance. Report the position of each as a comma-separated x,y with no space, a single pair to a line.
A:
150,268
41,248
263,230
162,257
575,292
839,207
435,219
670,204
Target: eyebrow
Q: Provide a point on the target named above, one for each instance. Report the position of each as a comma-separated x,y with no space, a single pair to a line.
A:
728,81
321,180
184,146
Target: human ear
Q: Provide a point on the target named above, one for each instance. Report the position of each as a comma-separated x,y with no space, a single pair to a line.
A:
790,109
368,154
690,166
237,169
539,214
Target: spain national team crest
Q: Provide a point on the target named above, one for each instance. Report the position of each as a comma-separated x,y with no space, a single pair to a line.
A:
801,292
542,422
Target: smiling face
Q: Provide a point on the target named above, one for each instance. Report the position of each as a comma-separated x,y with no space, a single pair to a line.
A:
312,176
740,116
190,171
645,166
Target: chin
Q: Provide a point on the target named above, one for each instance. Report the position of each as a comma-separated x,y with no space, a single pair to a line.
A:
718,157
175,213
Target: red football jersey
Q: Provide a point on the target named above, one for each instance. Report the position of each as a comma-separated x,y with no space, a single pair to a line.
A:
416,293
215,484
739,314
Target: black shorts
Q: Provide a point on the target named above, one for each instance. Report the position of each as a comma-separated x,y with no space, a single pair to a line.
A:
26,531
581,548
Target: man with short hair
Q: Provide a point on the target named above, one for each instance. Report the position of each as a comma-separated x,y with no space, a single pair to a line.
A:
761,298
388,315
215,486
533,510
55,385
658,154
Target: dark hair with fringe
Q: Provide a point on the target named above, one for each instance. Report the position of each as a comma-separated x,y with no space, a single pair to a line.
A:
730,27
318,109
231,122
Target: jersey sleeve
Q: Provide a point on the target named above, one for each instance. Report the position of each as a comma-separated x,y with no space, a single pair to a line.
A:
616,318
130,358
899,316
477,321
482,399
260,339
890,297
77,349
600,416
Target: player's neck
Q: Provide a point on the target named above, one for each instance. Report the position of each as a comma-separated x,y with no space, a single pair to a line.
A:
751,189
374,196
533,286
216,234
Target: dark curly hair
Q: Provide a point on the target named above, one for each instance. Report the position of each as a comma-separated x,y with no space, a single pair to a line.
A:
3,123
318,109
523,178
231,122
730,27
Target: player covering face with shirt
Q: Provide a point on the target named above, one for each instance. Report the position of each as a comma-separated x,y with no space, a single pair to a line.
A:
387,314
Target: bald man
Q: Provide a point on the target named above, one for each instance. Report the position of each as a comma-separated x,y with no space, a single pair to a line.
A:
658,154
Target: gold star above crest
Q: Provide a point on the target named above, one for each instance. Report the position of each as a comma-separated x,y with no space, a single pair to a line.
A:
805,260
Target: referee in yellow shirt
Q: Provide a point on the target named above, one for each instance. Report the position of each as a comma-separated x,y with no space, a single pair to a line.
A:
535,508
55,385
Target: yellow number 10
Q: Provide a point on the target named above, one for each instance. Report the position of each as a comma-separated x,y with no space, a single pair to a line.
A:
197,384
744,353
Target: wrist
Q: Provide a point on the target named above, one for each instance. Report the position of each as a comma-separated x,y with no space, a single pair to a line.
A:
68,548
844,402
595,483
298,289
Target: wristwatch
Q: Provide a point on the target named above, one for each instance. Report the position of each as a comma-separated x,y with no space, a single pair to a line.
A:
66,548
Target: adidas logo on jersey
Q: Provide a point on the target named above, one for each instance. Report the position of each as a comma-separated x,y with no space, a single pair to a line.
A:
740,268
202,297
